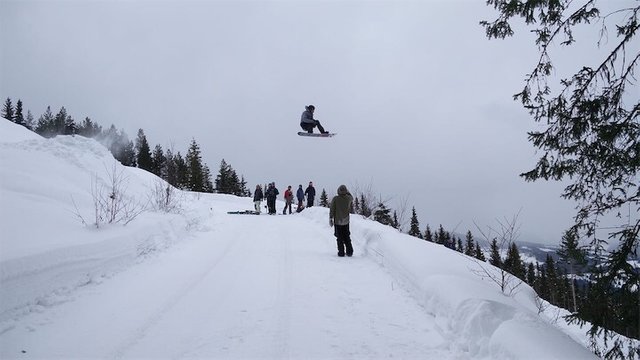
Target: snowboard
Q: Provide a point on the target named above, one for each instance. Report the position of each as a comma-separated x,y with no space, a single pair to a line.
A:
244,212
301,133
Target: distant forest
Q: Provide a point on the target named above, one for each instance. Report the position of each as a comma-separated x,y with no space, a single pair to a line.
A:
188,172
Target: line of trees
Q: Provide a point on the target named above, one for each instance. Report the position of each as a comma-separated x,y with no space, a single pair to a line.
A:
568,280
588,135
188,172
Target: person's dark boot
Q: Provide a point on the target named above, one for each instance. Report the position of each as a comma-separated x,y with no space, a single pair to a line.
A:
349,247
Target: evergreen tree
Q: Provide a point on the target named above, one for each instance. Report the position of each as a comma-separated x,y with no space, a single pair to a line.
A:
195,169
448,241
441,237
382,215
18,117
70,127
364,208
590,132
531,275
541,282
243,191
45,125
494,258
235,182
89,129
479,254
324,198
171,175
428,236
470,246
460,246
120,146
183,171
571,254
552,280
7,110
395,223
30,122
226,181
513,262
127,154
356,206
208,184
414,229
60,122
159,162
143,151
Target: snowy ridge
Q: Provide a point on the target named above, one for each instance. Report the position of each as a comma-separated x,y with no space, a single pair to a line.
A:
205,284
482,325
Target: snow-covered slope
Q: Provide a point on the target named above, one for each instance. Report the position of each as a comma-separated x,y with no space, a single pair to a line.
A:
204,284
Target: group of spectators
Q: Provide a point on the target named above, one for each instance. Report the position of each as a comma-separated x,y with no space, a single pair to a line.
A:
271,194
339,209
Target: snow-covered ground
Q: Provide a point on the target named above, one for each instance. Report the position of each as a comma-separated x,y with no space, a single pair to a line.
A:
200,283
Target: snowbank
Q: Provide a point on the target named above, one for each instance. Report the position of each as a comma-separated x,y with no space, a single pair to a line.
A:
474,315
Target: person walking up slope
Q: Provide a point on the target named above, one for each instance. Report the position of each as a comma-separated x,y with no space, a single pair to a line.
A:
339,212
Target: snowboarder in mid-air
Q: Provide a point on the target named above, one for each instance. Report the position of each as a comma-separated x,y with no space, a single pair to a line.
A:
307,122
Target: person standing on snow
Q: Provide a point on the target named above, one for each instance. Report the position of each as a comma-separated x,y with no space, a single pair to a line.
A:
258,196
311,194
288,199
300,197
272,194
307,122
339,211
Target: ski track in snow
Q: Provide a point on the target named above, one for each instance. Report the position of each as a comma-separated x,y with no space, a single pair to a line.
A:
171,303
229,302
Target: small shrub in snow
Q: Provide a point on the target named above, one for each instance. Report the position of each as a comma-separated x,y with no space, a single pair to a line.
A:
111,205
506,235
164,197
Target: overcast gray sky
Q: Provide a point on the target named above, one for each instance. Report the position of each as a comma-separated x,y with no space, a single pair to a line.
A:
420,99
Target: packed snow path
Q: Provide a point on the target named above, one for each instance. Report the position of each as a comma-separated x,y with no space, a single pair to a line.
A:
272,287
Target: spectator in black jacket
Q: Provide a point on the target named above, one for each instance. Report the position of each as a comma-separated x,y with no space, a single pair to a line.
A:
272,194
300,197
311,194
258,196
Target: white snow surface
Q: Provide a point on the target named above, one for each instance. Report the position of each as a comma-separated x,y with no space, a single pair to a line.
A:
201,283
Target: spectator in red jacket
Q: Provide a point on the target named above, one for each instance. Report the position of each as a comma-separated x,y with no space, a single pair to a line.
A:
288,199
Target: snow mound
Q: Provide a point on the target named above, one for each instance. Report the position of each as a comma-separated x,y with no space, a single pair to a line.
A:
46,190
11,132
